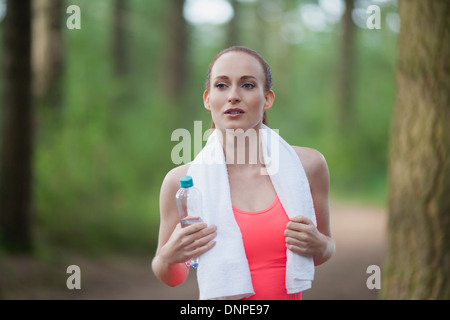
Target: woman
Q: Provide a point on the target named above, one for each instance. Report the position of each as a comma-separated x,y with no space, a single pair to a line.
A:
238,93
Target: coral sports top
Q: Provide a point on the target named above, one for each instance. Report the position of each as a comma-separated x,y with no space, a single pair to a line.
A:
265,247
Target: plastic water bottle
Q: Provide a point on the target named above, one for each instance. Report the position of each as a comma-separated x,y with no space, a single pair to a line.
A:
189,205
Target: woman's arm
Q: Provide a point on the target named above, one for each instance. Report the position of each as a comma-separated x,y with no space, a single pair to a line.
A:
302,236
176,244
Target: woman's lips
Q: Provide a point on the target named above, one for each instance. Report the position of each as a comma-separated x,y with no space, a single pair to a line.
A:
234,112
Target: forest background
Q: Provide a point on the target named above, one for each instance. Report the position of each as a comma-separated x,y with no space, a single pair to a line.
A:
135,71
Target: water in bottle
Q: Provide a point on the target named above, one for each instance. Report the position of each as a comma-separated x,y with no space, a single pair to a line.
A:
189,205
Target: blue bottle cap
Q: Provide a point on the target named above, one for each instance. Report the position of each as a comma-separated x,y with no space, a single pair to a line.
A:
186,182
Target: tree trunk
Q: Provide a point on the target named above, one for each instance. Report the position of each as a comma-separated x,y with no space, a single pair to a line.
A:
48,51
119,45
418,260
16,152
176,61
346,73
233,27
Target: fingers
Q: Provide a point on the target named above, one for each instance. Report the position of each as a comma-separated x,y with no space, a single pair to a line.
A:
299,228
193,228
201,240
196,239
202,249
296,234
301,249
197,230
299,235
298,242
205,232
301,219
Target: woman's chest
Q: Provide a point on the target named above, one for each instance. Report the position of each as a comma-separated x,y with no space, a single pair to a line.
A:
251,193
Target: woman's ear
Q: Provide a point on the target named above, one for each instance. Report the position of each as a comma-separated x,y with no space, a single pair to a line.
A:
270,98
206,100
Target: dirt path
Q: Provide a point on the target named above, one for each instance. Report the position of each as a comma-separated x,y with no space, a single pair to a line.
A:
359,233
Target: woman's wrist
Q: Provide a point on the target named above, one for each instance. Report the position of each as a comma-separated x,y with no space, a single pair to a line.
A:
165,257
327,251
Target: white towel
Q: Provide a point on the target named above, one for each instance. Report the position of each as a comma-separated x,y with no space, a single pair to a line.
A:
223,271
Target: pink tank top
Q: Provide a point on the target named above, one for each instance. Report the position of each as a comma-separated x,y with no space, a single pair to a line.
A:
265,247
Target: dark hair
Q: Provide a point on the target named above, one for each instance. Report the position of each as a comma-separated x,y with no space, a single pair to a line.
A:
264,65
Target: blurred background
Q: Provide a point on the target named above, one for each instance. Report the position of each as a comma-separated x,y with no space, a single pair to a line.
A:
107,97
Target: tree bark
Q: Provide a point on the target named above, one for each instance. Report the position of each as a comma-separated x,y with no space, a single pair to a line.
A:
346,74
119,45
16,152
418,260
176,63
48,51
233,28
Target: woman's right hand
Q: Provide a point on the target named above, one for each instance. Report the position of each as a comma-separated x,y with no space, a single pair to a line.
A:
176,245
188,242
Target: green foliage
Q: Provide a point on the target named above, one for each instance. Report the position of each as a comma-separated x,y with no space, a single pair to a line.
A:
307,113
100,161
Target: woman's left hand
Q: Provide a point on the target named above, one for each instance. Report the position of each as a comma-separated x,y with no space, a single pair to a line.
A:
302,237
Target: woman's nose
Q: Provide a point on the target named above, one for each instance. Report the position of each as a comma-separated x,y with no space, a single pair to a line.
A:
234,96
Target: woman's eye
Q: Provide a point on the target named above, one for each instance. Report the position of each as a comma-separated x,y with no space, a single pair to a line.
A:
220,85
248,85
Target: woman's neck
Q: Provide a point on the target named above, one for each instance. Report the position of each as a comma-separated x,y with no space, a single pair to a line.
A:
241,148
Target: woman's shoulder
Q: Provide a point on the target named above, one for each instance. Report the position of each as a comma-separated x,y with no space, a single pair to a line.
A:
313,162
173,176
171,181
169,188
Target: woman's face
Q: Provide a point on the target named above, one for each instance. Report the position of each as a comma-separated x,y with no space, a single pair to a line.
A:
236,97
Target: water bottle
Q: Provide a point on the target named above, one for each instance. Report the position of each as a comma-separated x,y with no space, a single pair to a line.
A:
189,205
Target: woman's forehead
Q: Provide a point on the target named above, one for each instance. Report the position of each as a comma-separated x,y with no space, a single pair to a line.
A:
237,63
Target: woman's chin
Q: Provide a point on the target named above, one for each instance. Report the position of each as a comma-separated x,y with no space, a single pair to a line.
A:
236,125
